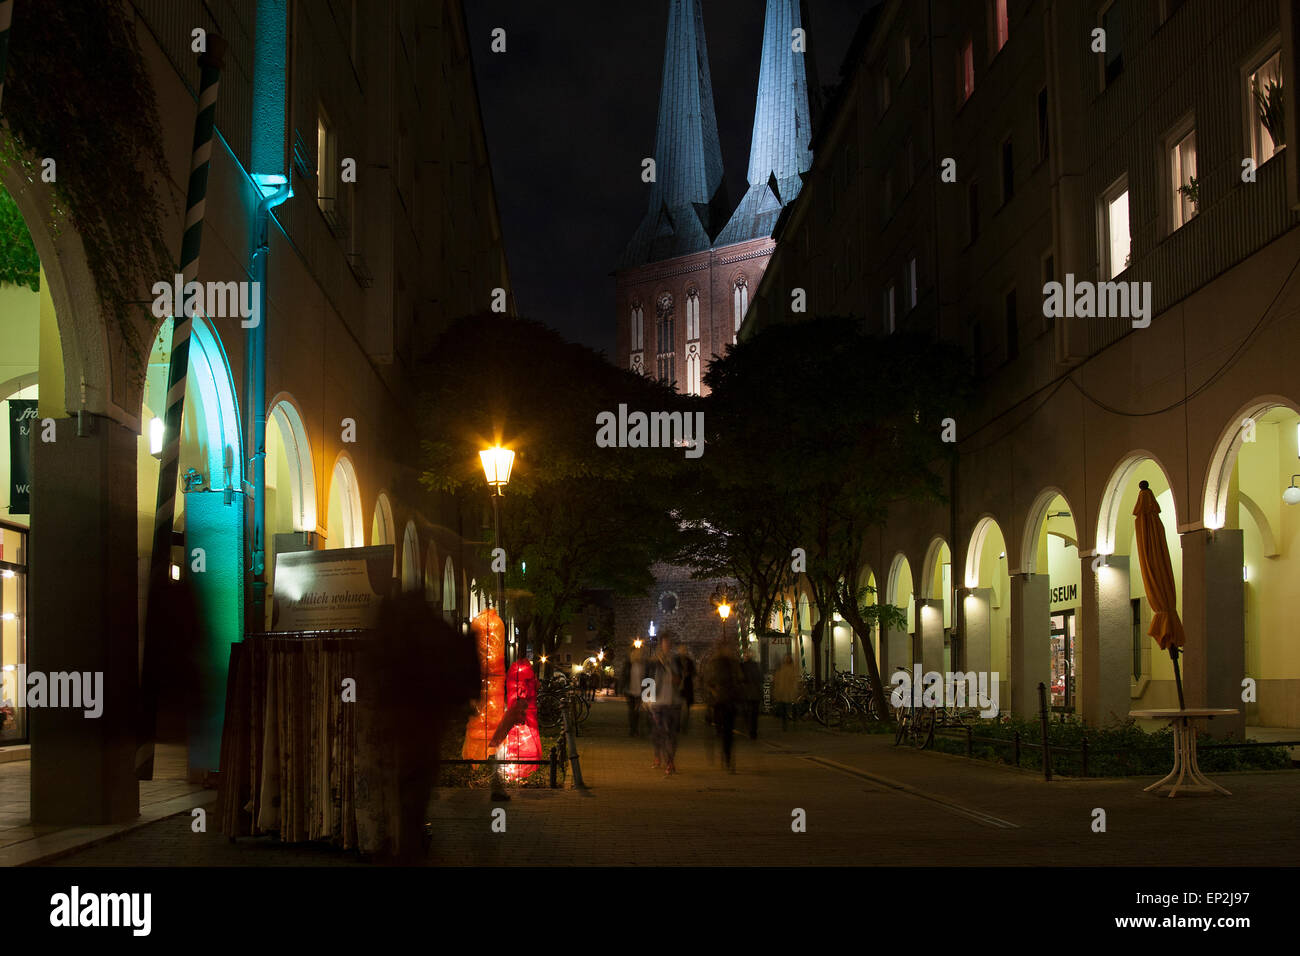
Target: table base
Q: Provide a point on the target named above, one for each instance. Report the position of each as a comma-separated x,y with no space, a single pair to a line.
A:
1185,766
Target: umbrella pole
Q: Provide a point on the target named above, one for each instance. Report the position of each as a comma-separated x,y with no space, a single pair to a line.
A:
1178,677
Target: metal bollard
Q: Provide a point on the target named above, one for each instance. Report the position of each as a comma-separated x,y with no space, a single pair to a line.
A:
569,722
1042,720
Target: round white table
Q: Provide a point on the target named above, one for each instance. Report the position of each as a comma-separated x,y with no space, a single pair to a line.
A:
1185,767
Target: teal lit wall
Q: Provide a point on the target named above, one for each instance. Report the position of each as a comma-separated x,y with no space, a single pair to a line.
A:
270,91
218,528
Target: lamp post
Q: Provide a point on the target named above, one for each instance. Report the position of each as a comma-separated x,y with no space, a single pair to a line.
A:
721,599
497,462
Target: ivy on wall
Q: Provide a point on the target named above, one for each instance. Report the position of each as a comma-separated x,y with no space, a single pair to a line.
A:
77,92
19,264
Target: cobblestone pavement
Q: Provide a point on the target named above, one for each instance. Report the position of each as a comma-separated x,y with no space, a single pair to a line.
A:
864,801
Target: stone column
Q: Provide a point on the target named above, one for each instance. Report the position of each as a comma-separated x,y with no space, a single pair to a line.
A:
1214,657
1104,655
929,632
83,617
1031,624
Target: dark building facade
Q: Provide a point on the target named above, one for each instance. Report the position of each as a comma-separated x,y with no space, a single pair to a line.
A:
977,152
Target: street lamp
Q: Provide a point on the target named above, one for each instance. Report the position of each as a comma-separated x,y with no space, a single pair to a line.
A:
497,462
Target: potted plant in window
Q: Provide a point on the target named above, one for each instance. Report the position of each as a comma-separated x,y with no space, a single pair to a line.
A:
1268,104
1191,190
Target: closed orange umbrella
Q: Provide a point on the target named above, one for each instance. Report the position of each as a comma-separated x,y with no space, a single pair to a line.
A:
1158,579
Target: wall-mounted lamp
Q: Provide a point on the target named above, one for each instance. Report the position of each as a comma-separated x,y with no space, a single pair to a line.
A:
156,429
1292,494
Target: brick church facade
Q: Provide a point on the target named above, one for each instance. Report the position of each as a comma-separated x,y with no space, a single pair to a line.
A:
686,278
691,267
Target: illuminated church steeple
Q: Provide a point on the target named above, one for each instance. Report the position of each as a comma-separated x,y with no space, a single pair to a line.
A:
781,145
685,197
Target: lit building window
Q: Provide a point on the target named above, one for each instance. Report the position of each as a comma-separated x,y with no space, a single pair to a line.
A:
325,165
965,71
692,315
1264,108
1001,25
1182,179
1117,246
693,368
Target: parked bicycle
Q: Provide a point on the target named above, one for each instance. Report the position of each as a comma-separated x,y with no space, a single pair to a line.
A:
556,694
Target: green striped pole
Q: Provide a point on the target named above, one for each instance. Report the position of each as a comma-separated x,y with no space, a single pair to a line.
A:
6,18
210,64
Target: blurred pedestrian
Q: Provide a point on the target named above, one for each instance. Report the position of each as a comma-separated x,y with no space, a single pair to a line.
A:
665,712
634,673
753,691
427,672
785,690
726,689
686,664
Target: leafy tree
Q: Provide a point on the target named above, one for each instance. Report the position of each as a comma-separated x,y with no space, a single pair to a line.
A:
829,426
574,516
19,264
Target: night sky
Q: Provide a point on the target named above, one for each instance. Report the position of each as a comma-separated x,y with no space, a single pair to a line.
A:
570,112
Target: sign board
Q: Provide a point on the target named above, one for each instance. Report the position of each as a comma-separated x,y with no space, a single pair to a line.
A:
22,419
332,590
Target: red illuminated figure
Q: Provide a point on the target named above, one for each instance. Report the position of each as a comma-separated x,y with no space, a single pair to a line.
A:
517,734
491,638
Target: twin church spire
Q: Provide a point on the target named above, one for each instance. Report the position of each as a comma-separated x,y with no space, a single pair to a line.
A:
688,211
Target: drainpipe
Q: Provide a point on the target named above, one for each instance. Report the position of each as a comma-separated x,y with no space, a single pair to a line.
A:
255,406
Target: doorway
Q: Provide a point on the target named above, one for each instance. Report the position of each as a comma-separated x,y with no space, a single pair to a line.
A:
1062,635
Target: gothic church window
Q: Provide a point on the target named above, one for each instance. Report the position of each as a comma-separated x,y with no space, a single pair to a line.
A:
692,314
638,327
693,368
666,370
740,295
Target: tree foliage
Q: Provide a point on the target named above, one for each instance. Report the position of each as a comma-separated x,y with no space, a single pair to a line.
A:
19,264
816,429
91,107
574,515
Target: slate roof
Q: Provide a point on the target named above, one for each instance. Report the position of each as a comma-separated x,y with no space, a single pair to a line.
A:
781,145
681,215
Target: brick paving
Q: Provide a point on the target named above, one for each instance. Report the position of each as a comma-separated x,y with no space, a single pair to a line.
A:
865,803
